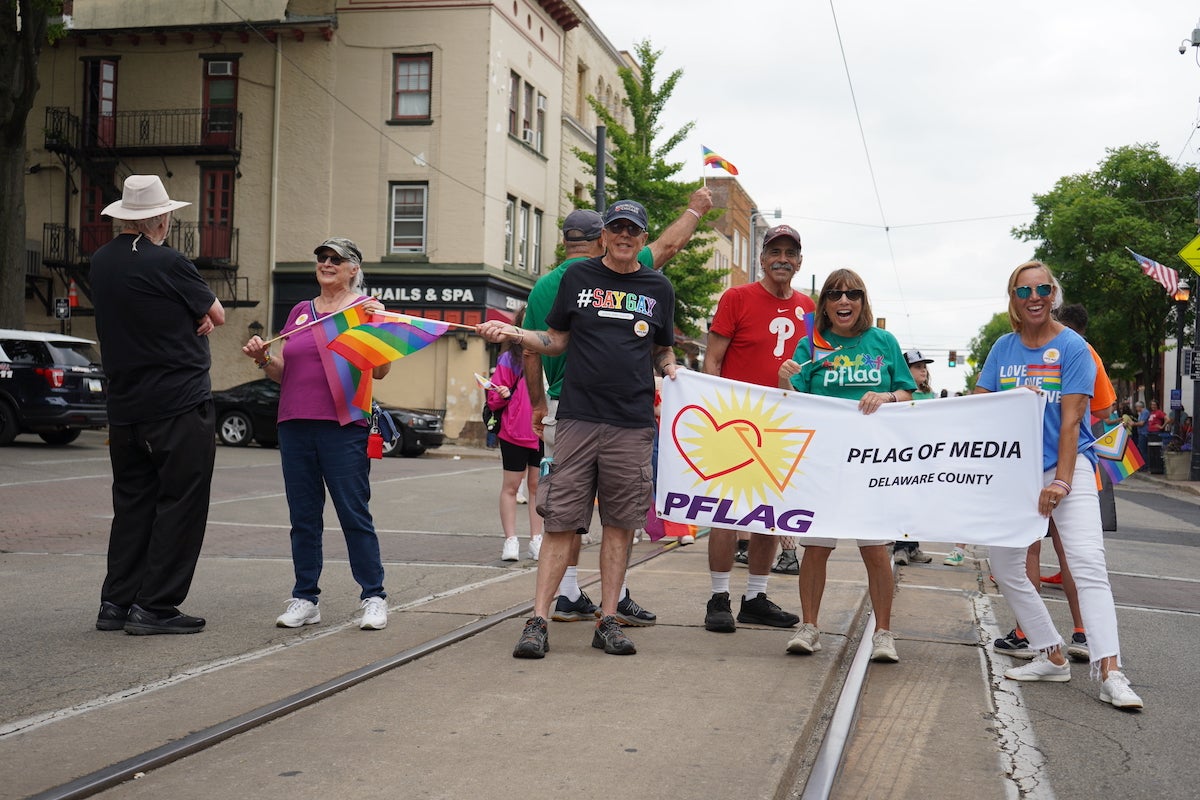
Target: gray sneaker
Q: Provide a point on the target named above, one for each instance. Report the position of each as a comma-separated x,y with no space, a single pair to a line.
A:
611,638
806,640
534,641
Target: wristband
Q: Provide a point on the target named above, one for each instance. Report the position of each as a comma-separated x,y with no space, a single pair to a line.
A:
893,394
263,364
694,211
1062,485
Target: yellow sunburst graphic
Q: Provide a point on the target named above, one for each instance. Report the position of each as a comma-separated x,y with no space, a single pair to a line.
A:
740,448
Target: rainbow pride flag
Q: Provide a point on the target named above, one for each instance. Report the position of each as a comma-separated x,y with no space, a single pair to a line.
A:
818,346
711,159
375,343
1118,457
350,386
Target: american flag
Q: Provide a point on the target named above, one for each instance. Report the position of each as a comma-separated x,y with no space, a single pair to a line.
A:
1166,276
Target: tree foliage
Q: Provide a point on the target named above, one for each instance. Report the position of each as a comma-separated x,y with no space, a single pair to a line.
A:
981,345
1138,199
24,27
640,171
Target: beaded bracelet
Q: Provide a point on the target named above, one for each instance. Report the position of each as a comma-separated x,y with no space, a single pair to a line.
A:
1062,485
263,364
893,394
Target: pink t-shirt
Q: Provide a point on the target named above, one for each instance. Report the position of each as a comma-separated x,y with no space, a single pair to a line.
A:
304,392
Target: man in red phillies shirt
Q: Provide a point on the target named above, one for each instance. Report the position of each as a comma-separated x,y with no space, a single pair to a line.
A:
757,327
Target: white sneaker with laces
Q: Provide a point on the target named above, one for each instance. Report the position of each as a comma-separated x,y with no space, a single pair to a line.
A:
806,640
1115,690
1040,669
512,549
522,499
883,647
375,613
299,612
535,547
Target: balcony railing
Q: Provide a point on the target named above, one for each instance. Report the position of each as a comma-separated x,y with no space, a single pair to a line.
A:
208,245
151,132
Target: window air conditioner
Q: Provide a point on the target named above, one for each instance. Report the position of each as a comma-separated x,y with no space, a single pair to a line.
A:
220,67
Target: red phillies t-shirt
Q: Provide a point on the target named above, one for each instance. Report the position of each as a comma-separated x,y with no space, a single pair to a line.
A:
763,331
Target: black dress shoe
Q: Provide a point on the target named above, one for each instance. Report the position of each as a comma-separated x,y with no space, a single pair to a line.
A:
111,617
144,623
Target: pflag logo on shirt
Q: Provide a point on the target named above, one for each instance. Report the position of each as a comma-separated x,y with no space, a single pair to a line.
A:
739,447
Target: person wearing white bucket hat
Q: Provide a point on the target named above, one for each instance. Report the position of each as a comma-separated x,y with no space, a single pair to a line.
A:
153,315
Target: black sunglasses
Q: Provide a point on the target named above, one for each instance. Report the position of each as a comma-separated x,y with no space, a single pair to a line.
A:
630,228
837,294
337,261
1024,292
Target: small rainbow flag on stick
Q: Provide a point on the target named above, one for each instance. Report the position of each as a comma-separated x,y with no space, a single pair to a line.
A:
349,385
711,159
1118,457
375,343
818,346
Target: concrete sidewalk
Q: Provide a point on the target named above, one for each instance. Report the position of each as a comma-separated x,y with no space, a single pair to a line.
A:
692,713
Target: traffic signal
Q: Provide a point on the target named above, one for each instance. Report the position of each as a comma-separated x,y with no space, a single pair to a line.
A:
953,358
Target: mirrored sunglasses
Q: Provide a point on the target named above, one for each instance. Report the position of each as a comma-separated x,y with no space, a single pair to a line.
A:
1042,289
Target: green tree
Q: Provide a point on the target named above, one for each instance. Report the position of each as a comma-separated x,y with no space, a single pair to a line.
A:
1138,199
640,171
981,345
25,27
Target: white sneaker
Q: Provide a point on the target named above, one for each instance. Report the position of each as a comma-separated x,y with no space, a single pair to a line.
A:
298,612
535,547
512,549
637,535
1115,690
374,616
1041,669
883,647
521,499
686,540
806,640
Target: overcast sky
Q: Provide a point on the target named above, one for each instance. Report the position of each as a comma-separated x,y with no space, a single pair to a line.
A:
967,110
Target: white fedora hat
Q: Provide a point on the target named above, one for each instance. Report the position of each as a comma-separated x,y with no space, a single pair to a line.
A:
144,196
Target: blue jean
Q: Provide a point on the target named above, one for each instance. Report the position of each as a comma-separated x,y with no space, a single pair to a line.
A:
317,454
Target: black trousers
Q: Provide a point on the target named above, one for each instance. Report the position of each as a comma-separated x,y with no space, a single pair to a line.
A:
162,475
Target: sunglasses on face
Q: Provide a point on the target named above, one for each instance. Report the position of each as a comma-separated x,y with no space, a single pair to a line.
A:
337,261
1042,289
838,294
623,227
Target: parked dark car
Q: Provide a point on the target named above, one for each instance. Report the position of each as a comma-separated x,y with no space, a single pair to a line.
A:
51,385
249,411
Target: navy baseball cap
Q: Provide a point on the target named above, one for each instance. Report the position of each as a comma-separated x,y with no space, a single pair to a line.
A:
582,225
631,210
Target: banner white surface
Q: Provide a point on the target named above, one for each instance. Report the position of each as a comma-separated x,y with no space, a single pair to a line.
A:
965,469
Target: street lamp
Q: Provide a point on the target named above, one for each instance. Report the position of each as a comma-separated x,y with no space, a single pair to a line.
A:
756,215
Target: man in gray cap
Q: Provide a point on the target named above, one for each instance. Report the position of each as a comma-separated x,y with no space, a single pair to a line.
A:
153,316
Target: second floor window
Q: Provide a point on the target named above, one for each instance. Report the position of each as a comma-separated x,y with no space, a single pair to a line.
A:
413,83
409,211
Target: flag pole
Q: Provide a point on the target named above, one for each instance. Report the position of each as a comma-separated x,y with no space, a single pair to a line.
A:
402,317
315,321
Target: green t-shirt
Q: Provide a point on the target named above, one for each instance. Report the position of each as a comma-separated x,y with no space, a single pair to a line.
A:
871,362
541,298
923,395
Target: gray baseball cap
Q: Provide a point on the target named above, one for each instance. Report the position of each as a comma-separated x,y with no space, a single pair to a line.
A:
343,247
582,225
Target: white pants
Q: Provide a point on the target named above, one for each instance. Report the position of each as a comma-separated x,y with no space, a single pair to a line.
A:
1078,519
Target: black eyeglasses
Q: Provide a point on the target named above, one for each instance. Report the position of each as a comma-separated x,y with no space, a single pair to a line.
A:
337,261
629,228
1042,289
837,294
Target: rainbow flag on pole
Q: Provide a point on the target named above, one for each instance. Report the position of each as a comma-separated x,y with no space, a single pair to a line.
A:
375,343
818,346
1118,456
350,386
711,159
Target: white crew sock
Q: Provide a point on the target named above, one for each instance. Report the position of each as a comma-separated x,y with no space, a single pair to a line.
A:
720,582
754,585
568,587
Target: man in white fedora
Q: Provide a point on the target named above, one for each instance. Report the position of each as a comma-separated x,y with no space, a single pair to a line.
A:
153,316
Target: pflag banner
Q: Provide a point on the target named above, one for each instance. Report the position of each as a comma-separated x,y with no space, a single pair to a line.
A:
1118,457
711,159
1167,277
752,458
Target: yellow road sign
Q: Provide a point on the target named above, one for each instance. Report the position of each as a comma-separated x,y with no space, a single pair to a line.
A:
1191,254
